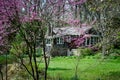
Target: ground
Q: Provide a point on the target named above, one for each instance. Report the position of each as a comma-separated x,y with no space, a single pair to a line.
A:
89,68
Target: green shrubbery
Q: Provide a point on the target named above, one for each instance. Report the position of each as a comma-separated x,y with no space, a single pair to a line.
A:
85,52
115,53
39,52
10,59
58,52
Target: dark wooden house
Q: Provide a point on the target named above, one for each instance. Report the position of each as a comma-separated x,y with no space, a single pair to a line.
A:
61,47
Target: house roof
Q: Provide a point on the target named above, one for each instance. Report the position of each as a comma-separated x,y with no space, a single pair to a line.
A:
71,30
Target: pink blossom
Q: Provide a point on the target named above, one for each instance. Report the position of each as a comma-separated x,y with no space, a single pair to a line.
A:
73,2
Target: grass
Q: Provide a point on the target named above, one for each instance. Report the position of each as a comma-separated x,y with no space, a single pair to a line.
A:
89,68
63,68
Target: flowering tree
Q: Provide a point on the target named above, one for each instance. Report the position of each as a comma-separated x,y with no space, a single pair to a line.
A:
7,12
77,42
29,19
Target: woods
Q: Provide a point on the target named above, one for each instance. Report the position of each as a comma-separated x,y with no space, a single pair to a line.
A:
27,25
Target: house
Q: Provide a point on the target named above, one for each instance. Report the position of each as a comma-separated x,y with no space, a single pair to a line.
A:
62,38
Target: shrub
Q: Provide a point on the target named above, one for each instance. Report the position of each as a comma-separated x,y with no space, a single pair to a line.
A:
115,53
39,52
58,52
10,59
86,52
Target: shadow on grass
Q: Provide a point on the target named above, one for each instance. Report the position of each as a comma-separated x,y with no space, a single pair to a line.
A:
112,76
57,68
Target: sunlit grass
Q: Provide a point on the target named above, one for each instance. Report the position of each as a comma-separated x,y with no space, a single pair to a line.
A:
63,68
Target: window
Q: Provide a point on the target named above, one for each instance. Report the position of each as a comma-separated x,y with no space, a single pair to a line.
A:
88,41
48,41
59,41
96,40
92,40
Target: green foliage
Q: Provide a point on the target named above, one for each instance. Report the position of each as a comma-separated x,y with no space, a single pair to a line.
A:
10,59
39,52
18,46
86,52
115,53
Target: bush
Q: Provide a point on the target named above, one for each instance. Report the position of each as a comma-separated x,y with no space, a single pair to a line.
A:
39,52
115,53
86,52
58,52
10,59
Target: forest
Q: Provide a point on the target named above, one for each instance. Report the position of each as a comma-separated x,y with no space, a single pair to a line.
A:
59,39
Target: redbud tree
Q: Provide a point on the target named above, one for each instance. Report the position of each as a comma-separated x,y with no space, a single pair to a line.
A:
30,19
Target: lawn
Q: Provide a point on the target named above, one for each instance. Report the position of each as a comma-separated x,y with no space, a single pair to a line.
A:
63,68
89,68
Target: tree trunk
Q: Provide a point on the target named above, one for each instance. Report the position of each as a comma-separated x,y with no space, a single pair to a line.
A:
6,67
1,72
45,58
103,50
104,46
44,55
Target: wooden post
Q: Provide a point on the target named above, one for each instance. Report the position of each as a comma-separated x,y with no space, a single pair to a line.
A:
86,42
90,41
93,40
